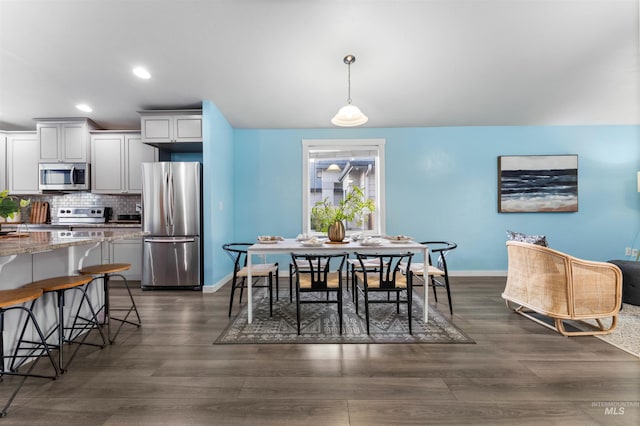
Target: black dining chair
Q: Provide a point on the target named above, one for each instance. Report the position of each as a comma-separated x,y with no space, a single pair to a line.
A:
438,273
291,278
389,277
238,254
319,274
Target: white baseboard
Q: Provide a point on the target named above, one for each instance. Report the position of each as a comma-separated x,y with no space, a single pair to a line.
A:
477,273
217,286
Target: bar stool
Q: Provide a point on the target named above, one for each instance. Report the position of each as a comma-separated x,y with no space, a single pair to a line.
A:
104,272
14,300
60,286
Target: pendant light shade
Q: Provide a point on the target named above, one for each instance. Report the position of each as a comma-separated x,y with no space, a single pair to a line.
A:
349,115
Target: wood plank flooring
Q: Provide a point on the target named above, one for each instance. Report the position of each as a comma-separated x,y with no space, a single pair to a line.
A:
169,373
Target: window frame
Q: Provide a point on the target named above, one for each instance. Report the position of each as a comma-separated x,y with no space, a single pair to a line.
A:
308,145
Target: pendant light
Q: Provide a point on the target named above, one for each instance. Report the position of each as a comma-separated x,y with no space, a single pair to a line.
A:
349,115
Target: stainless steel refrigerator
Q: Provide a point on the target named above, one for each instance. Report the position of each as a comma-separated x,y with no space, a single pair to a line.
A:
172,217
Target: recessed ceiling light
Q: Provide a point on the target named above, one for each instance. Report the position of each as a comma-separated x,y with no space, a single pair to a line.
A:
84,107
142,73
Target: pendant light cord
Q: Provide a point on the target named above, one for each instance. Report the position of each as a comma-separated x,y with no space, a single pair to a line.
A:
349,83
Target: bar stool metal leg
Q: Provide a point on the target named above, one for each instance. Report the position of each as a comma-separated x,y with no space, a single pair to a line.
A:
104,272
60,286
82,325
109,309
13,300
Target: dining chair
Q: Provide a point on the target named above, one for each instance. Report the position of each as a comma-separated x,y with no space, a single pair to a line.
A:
387,278
314,273
438,273
238,254
301,267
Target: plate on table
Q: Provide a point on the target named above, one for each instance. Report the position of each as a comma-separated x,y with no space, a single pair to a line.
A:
371,242
399,239
310,243
269,239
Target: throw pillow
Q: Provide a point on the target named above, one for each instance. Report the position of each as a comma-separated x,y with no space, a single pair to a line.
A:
540,240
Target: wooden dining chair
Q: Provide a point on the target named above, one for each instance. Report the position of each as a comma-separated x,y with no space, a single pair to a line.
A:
238,254
389,277
318,273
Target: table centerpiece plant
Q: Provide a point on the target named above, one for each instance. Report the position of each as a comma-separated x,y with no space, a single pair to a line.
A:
330,218
10,205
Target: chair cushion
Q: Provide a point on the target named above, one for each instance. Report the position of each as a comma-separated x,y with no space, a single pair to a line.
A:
259,270
418,269
333,280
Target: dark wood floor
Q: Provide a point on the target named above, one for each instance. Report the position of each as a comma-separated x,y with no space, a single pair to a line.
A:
169,373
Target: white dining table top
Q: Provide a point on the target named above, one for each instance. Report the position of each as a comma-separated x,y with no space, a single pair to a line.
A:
291,244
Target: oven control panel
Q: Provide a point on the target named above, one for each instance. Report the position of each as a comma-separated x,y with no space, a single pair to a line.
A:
95,214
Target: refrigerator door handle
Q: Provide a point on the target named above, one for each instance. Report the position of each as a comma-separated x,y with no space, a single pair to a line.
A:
172,201
170,210
165,178
169,240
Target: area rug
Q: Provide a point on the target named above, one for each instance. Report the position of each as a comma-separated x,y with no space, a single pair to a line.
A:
626,335
319,324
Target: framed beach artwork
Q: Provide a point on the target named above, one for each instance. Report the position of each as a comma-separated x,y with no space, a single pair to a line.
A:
537,183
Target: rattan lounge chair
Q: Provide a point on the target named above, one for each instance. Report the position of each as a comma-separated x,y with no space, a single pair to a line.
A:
554,284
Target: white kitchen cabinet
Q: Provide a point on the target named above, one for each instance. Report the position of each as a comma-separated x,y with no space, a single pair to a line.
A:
171,126
3,161
128,251
137,153
116,162
64,140
119,251
22,163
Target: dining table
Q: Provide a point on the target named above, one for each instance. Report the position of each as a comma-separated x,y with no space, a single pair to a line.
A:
279,246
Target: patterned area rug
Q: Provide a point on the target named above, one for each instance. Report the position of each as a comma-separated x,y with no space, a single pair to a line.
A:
320,324
626,335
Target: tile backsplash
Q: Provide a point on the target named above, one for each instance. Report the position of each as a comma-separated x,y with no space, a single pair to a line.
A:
120,204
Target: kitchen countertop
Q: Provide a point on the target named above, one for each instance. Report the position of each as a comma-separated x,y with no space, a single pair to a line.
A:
104,225
49,240
56,225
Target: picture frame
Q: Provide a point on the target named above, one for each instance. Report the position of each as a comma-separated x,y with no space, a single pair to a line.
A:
537,183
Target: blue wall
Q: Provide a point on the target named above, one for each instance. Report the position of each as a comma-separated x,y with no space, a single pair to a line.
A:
218,186
441,183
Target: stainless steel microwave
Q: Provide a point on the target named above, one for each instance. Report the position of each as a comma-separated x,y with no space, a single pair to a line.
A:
64,177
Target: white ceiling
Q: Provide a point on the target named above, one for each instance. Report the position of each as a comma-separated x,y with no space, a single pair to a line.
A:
278,63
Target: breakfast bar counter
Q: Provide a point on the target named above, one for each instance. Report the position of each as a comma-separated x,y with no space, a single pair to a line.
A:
39,241
39,255
32,256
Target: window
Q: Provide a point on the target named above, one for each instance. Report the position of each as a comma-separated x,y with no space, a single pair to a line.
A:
331,168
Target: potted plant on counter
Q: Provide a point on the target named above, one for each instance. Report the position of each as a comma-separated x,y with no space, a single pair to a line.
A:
10,206
328,218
